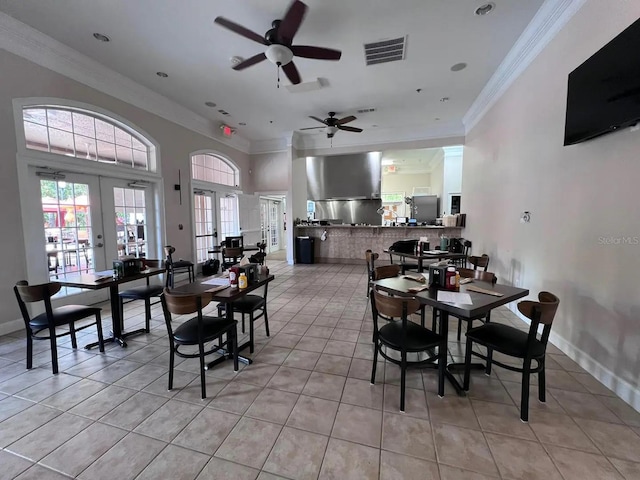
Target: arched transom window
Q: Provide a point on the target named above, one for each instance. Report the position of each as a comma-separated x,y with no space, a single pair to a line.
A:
82,134
212,168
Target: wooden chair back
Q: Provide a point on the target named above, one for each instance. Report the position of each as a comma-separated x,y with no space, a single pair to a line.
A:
153,263
35,293
479,262
478,275
395,307
385,271
178,304
547,306
370,258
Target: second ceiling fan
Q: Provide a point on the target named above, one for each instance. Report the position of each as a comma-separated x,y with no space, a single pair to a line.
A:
333,124
278,40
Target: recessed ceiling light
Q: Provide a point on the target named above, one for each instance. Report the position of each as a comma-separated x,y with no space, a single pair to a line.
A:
242,124
437,118
485,9
210,104
418,90
444,99
458,66
162,74
101,37
374,126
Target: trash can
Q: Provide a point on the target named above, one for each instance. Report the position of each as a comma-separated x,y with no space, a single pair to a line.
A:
304,249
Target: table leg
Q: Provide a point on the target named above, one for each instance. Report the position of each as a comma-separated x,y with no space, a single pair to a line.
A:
226,354
116,321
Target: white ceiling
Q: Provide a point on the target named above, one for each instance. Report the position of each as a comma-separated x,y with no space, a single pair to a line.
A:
180,38
423,160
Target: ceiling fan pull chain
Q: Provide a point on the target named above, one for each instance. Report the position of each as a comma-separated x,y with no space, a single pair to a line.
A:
278,75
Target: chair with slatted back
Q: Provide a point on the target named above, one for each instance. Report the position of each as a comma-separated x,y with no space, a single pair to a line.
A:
52,318
231,256
253,305
179,266
404,246
370,258
198,330
405,337
145,293
483,277
479,262
513,342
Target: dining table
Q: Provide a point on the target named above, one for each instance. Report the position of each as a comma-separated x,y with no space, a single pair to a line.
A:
100,280
481,304
224,296
429,256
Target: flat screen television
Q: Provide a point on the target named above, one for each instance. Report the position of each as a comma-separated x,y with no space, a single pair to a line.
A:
603,94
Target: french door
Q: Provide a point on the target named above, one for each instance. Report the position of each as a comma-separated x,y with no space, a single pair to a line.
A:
270,223
204,221
80,223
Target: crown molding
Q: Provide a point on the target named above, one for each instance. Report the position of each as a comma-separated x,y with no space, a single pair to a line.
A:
33,45
552,16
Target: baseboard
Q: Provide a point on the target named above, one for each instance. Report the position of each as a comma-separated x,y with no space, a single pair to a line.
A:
621,387
11,326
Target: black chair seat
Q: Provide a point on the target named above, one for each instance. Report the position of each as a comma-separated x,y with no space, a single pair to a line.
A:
505,339
418,338
212,328
142,292
248,303
182,264
63,315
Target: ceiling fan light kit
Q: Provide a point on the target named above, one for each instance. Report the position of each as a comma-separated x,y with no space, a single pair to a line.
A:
279,54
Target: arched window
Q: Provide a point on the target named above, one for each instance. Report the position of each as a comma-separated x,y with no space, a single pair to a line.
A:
83,134
215,169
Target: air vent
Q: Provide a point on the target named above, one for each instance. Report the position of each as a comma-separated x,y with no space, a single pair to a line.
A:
385,51
366,110
224,112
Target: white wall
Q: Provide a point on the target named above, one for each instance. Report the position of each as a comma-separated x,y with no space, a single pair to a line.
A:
399,182
581,198
20,78
452,177
269,172
437,177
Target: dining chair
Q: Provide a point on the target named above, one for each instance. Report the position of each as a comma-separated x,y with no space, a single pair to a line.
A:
370,257
483,277
405,337
465,249
404,246
513,342
390,271
143,292
479,262
231,256
177,267
53,261
248,305
198,330
52,318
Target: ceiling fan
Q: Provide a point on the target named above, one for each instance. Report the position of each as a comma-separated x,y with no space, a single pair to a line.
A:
333,124
278,40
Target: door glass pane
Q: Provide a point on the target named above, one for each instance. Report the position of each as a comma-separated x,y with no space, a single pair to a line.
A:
228,215
131,221
204,226
274,224
68,229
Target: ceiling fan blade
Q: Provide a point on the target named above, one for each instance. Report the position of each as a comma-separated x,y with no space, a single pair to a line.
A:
250,61
240,30
349,129
291,72
310,128
344,120
291,22
318,53
318,120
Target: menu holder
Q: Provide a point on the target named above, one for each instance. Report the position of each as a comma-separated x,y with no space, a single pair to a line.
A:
473,288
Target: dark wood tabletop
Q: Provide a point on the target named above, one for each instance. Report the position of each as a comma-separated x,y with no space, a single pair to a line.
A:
482,303
226,295
427,256
93,281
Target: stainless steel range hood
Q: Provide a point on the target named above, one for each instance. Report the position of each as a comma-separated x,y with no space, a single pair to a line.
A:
344,177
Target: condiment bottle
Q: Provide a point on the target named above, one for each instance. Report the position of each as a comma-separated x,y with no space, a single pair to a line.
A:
242,281
233,276
450,278
457,280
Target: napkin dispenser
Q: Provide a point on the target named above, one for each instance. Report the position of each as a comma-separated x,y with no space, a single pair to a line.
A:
437,275
127,266
251,271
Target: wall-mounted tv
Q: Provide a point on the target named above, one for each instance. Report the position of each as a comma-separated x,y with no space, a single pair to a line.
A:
604,92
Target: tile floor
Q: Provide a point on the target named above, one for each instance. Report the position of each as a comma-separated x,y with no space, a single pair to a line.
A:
304,410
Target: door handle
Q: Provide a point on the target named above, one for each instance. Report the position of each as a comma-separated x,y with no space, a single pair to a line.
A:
99,245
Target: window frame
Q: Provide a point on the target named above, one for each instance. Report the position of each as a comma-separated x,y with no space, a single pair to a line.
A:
222,158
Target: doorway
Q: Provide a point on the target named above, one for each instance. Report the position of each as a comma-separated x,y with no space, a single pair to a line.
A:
272,223
78,224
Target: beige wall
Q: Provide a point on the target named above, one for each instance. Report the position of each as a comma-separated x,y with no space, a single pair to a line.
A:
270,172
581,197
398,182
20,78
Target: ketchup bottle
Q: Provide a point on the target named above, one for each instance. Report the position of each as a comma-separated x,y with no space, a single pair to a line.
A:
450,278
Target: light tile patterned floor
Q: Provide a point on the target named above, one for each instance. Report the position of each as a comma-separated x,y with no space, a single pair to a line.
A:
304,410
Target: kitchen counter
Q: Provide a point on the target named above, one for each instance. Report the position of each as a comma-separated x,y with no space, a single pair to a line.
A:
347,244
